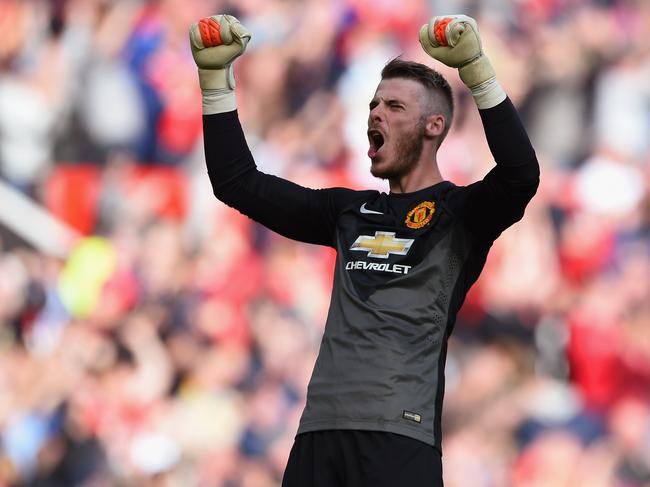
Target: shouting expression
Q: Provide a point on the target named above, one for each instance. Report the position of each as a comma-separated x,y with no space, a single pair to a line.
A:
396,127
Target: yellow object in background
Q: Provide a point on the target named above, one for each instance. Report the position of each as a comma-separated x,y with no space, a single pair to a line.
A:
89,266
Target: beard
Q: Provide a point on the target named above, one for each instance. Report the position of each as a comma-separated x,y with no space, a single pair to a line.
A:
408,149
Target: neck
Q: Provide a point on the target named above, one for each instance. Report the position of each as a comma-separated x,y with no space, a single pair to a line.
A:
424,174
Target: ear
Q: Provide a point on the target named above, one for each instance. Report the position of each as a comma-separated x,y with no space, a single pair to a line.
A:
435,125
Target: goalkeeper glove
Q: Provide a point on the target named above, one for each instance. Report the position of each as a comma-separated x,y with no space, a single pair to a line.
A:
216,42
454,40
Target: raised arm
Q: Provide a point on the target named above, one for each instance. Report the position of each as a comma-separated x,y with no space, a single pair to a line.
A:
491,205
296,212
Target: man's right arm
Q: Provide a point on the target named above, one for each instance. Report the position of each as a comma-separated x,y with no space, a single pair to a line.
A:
300,213
296,212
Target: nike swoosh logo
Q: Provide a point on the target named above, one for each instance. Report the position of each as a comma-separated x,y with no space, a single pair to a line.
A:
365,210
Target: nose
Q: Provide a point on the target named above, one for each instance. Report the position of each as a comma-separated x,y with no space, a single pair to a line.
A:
376,114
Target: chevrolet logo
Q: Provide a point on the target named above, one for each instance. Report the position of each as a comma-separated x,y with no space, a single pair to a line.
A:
382,245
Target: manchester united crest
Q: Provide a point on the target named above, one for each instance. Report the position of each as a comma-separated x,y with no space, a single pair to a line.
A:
420,215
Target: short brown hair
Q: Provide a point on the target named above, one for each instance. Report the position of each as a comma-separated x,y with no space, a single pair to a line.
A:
432,80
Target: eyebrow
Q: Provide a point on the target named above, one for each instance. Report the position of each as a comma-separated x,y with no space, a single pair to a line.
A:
374,102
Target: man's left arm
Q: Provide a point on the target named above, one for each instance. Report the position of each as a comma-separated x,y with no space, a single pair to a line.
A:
491,205
499,200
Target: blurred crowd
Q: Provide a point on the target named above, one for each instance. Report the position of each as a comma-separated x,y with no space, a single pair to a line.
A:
173,344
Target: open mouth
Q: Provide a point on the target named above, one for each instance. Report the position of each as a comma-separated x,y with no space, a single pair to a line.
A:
376,140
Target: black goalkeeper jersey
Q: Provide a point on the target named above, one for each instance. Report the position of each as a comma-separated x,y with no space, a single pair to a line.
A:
404,265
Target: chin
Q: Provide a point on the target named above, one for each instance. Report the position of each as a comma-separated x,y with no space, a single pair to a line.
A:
381,169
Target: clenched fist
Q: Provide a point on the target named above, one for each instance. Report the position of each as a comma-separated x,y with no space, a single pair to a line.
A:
216,42
454,40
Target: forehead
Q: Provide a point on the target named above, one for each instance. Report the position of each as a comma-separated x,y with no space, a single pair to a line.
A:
400,88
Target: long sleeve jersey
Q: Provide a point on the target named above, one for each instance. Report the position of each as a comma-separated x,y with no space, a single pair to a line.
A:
405,262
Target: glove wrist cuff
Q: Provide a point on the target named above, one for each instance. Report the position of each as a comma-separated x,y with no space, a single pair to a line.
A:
477,71
217,90
479,76
217,79
218,101
488,94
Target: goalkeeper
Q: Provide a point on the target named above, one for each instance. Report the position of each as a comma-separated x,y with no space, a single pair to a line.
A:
405,259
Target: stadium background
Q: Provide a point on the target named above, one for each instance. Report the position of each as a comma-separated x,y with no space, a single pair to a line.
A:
162,339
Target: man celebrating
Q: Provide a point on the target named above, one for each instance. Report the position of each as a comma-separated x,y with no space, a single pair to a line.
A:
405,260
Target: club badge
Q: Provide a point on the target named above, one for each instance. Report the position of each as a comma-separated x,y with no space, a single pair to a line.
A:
420,215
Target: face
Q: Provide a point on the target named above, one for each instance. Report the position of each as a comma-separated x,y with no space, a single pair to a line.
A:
396,127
